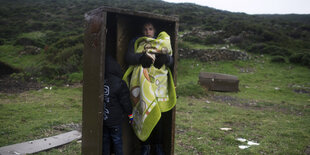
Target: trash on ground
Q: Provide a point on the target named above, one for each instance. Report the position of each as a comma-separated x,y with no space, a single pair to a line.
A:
241,139
252,143
243,146
226,129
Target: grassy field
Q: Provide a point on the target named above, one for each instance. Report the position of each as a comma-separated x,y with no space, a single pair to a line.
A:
272,108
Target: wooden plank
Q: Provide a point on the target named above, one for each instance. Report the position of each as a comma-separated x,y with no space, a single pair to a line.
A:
134,13
40,144
93,77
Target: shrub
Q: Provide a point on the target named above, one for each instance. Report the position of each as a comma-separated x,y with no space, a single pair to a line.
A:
63,55
256,48
75,77
214,39
306,59
2,41
51,71
194,39
66,61
279,59
296,58
28,41
302,57
275,50
69,41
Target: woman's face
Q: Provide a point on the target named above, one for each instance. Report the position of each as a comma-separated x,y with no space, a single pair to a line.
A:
148,30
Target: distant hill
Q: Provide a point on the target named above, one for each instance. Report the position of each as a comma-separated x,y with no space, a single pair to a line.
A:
57,27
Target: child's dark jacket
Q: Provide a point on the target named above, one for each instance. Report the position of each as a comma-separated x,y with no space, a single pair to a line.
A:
116,94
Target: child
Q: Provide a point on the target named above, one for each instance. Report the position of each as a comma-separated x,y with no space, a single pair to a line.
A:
116,102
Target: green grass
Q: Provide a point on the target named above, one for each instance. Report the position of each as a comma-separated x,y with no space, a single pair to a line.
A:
10,54
276,119
33,35
32,115
198,131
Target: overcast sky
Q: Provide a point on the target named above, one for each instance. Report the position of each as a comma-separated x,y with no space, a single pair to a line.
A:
255,6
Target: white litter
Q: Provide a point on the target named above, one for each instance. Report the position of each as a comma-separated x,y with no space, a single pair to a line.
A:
243,146
46,87
276,88
199,138
241,139
226,129
252,143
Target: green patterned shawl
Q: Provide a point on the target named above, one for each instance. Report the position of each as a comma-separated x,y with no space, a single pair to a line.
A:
152,90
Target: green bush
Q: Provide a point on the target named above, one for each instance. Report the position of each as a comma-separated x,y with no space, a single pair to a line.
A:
75,77
194,39
278,59
296,57
275,50
28,41
214,39
51,71
62,62
256,48
63,55
302,57
69,41
305,60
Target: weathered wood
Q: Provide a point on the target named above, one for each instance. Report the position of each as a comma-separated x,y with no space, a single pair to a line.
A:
110,32
219,82
40,144
93,75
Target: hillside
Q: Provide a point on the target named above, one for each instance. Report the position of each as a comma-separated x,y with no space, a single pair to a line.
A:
56,28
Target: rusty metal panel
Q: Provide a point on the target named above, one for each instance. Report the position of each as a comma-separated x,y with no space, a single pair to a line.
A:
219,82
40,144
94,54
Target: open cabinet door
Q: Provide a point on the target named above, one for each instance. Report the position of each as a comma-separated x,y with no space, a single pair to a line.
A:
93,78
125,31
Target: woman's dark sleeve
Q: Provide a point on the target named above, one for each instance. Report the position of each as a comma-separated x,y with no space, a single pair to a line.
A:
131,57
124,98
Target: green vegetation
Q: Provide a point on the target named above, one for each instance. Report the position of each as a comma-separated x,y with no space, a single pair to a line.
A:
57,29
38,114
44,41
271,108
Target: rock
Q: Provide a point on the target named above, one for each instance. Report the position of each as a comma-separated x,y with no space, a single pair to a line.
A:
213,54
30,50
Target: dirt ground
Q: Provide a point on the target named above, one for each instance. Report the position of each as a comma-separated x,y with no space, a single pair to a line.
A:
12,86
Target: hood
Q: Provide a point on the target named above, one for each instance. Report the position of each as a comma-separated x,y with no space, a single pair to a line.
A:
112,67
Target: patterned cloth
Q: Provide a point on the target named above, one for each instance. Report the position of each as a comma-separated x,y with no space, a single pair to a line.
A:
152,90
